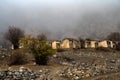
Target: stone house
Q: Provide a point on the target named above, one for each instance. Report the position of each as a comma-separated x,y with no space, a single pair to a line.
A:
91,44
116,44
105,44
56,44
70,43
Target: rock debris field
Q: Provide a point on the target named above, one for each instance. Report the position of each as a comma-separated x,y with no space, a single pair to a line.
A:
70,65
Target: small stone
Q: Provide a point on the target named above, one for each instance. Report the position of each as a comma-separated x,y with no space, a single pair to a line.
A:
21,69
55,56
87,75
113,61
40,71
78,77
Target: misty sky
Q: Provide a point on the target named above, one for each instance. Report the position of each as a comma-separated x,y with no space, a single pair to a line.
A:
62,18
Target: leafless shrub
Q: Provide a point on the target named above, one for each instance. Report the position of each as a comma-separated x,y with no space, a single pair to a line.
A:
82,42
18,57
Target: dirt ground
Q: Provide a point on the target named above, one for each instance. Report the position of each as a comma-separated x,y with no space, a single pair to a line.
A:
109,60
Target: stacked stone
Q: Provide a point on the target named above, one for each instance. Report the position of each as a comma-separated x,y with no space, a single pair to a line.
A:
21,74
84,70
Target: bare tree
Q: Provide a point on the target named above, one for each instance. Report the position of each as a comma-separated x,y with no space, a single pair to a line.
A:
13,34
115,36
82,42
42,37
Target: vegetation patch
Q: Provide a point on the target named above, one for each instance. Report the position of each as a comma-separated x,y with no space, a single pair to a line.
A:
18,57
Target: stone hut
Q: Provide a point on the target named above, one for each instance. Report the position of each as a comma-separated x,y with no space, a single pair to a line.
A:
105,44
116,44
70,43
91,44
56,44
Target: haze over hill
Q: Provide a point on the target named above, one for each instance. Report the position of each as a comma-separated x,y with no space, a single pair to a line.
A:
62,18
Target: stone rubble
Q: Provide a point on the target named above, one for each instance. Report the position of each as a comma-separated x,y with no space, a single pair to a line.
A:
79,70
21,74
84,70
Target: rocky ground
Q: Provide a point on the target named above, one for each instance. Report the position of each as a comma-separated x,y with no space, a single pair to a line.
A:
68,65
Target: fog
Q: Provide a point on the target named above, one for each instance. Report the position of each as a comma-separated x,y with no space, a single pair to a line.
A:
62,18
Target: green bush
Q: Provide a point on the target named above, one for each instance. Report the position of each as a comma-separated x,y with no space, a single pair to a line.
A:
41,50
